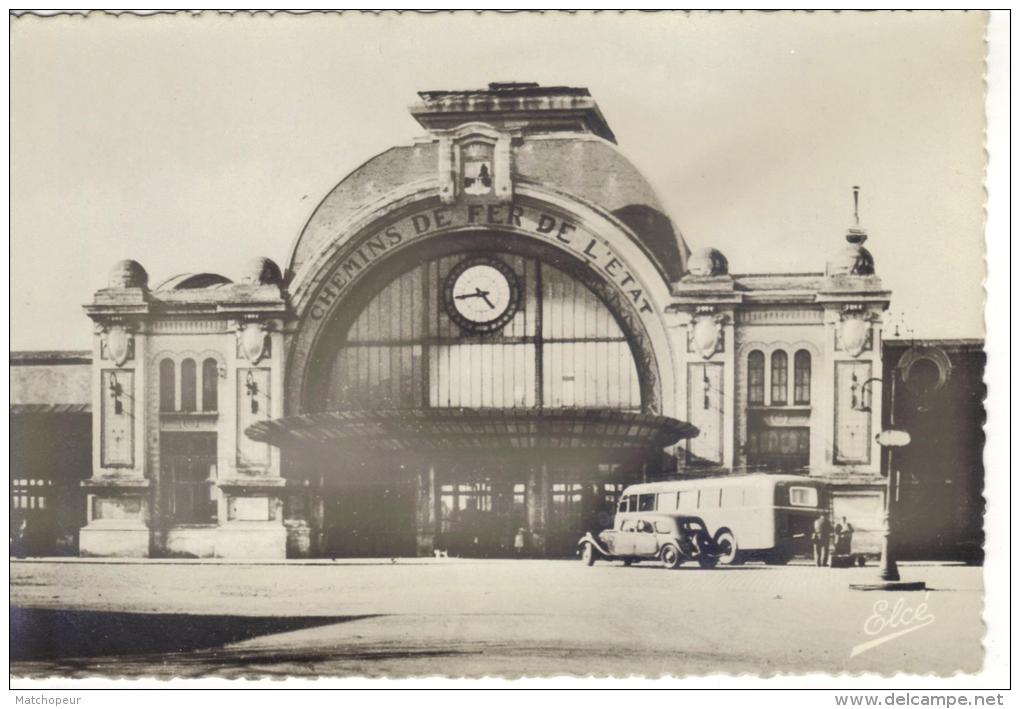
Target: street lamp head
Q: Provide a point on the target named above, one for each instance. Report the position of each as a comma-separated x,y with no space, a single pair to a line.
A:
892,438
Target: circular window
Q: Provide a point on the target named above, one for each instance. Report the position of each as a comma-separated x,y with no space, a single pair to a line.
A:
924,370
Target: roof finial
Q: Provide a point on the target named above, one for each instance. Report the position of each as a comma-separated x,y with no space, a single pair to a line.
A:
855,234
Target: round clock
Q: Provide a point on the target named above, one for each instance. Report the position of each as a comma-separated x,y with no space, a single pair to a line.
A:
481,294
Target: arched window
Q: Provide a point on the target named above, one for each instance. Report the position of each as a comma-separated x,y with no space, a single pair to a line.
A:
756,378
188,385
167,384
802,377
779,378
561,348
210,373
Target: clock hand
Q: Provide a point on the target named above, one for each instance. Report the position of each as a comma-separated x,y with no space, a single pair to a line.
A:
484,295
479,293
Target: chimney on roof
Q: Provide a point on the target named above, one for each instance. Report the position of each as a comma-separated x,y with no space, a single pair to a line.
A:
523,107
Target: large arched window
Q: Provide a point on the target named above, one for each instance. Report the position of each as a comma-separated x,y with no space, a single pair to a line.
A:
188,385
210,374
756,378
167,385
556,346
802,377
779,378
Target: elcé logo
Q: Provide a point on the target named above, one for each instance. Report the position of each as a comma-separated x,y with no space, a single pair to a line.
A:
889,623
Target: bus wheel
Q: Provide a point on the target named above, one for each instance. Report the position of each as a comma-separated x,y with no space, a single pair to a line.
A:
588,554
777,559
628,562
670,556
729,552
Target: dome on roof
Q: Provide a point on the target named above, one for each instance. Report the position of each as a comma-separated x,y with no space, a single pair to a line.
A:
194,281
853,259
128,274
574,166
262,271
707,262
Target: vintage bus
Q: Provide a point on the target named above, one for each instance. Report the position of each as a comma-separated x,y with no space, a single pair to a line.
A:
758,516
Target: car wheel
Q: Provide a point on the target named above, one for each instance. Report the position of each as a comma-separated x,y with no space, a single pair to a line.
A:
729,550
708,562
588,553
671,557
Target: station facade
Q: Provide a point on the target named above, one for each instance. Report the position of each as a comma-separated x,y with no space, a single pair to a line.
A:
487,332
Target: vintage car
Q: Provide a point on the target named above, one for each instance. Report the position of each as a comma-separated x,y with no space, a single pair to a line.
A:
669,538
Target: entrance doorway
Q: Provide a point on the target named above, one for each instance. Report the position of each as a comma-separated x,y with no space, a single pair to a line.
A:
369,521
480,518
577,508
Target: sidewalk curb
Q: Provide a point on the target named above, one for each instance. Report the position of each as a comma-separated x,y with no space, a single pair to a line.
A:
398,561
143,561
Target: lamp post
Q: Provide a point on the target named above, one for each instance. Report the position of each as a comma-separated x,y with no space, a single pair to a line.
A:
889,439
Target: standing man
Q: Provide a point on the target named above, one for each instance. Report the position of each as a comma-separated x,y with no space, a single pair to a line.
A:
19,543
820,540
519,543
844,538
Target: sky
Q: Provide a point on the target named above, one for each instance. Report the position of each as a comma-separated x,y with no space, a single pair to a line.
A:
193,143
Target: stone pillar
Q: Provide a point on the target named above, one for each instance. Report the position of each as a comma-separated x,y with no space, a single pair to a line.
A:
425,510
118,493
538,505
319,517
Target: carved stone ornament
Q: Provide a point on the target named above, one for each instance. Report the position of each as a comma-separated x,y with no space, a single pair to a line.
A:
118,343
706,334
853,331
474,162
252,336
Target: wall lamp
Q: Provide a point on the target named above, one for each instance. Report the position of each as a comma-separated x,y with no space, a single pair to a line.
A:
863,401
116,391
252,387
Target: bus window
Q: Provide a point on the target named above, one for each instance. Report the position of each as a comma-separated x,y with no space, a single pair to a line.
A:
687,500
710,498
666,502
622,507
732,497
646,503
804,496
632,503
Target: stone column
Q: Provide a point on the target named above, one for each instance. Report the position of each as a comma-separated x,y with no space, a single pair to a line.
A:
117,493
425,510
538,505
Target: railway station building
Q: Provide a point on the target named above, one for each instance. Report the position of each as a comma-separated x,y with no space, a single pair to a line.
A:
493,328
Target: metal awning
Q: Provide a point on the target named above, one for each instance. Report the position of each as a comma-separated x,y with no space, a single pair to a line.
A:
50,409
475,429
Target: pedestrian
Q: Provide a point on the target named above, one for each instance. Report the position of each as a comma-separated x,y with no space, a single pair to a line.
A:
20,541
844,537
519,543
820,540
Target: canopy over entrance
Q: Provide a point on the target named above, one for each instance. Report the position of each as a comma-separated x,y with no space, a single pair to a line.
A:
475,429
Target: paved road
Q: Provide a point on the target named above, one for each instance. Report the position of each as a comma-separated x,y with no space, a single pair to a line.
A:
472,618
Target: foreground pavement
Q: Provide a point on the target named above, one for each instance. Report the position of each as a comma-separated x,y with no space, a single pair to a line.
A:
457,617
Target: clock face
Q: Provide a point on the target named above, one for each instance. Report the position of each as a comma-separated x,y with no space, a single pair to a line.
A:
481,294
